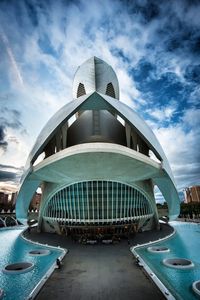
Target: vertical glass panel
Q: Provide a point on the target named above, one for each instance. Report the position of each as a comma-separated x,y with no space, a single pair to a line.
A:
102,200
81,201
128,201
117,197
71,202
54,208
60,205
97,200
112,201
84,199
67,203
74,202
88,207
125,201
92,198
78,201
139,204
132,205
77,196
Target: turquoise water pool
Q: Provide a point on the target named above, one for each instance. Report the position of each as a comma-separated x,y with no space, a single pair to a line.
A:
184,244
13,248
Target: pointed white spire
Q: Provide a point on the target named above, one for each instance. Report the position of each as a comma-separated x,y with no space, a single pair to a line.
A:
95,75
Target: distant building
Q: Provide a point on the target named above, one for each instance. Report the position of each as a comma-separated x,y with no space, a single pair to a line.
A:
3,200
192,194
13,199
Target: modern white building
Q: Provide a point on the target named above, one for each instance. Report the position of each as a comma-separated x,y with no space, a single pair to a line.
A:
98,171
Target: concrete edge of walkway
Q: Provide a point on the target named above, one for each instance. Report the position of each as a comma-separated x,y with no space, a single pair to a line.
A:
148,270
50,271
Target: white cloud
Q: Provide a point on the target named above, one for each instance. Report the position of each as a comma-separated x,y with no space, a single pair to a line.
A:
128,91
181,148
13,63
17,150
8,187
163,114
195,95
191,118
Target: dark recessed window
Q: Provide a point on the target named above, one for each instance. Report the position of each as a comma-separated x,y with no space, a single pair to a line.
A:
81,90
110,90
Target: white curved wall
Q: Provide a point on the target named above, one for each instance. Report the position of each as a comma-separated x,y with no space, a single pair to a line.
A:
97,101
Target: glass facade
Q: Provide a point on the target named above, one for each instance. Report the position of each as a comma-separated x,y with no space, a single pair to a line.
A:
97,202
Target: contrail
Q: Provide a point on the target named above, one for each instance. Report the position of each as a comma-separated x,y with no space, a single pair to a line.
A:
11,57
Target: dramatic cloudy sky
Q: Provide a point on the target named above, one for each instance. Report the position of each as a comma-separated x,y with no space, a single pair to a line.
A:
154,47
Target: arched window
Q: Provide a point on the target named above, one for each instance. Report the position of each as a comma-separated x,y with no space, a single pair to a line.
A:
110,90
81,90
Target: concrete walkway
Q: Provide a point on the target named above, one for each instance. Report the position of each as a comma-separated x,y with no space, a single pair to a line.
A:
99,272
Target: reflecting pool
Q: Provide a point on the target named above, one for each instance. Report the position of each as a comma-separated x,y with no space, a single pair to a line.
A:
14,249
185,243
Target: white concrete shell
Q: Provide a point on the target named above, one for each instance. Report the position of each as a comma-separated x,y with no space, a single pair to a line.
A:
103,160
160,174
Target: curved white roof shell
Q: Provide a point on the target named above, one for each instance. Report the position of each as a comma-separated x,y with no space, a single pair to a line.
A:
95,75
163,179
98,101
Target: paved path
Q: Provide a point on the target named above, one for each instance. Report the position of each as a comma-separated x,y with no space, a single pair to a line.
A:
99,272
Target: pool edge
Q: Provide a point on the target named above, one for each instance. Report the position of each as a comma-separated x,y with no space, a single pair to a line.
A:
167,294
54,266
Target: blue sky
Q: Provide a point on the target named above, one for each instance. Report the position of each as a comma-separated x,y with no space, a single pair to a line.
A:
154,47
